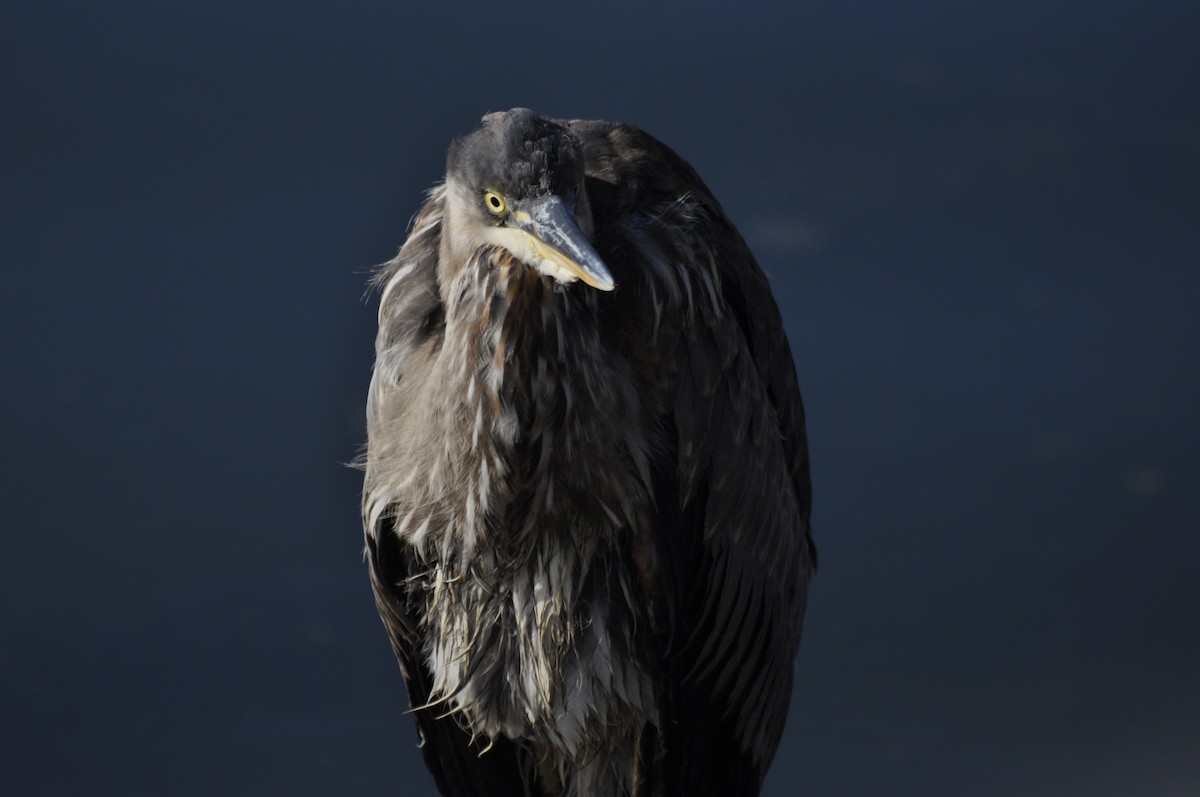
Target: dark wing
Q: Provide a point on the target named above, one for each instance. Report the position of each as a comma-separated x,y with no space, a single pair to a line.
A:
460,766
733,550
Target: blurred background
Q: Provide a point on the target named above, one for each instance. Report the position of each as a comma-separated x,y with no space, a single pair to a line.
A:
981,223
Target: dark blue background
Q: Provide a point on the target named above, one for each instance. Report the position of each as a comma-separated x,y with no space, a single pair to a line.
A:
981,222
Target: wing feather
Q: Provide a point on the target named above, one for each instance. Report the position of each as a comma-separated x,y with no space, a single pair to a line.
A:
733,533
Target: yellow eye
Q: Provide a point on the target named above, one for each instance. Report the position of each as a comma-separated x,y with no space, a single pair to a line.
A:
495,203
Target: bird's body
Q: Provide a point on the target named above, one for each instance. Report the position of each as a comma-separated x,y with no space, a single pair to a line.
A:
586,510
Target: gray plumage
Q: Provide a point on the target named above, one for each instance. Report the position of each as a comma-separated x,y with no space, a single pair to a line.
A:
586,499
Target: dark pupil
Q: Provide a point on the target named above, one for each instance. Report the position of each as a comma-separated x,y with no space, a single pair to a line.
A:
495,202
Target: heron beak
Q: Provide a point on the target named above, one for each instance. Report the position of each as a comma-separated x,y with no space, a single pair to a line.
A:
555,237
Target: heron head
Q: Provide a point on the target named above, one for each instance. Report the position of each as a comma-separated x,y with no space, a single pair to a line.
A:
517,183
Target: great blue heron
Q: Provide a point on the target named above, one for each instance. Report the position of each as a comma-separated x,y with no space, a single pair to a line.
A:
587,495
